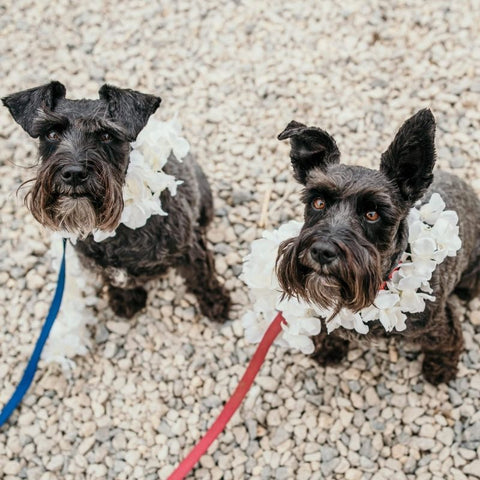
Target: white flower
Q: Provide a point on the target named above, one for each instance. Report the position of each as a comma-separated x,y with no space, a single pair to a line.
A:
158,139
370,314
410,282
423,247
445,232
257,271
257,267
412,301
135,214
393,318
254,329
386,299
430,212
351,321
300,342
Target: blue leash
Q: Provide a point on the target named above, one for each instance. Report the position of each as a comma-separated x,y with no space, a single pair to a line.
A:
29,373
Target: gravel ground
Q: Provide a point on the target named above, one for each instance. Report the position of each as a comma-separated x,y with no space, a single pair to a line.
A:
237,73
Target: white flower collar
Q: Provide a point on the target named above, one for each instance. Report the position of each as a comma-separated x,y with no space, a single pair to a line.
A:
433,235
145,179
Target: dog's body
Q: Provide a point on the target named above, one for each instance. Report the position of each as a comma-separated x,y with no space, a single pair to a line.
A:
355,232
84,151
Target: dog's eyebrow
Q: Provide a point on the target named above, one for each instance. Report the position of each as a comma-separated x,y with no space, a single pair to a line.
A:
328,191
374,196
97,124
381,200
47,120
317,179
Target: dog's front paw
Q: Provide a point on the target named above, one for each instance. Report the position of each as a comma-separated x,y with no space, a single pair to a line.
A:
436,370
126,303
215,304
329,350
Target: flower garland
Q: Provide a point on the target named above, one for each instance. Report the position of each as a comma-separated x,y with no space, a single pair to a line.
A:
70,335
144,182
433,236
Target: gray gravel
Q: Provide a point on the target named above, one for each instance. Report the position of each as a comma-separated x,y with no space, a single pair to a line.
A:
237,73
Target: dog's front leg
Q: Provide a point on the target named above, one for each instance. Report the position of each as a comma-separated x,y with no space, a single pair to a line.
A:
198,270
442,346
330,349
124,296
126,302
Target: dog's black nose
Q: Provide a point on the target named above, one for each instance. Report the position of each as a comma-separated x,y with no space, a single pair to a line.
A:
73,175
323,252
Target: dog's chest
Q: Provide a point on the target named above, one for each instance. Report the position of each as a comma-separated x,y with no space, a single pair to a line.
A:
127,260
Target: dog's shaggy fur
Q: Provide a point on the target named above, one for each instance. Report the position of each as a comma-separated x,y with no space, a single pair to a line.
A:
84,155
355,232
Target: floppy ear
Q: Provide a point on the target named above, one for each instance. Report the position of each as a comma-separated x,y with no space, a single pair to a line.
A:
409,160
24,106
311,147
129,108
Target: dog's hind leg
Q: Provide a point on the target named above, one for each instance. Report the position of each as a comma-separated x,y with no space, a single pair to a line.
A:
469,285
206,198
442,346
198,270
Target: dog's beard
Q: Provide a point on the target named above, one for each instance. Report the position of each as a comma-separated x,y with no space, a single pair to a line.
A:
74,215
98,204
352,280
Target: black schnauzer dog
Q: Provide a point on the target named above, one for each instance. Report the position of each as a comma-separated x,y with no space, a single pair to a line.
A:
84,154
355,232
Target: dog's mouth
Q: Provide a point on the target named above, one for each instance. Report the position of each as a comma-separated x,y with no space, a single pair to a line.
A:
77,195
70,192
82,197
324,273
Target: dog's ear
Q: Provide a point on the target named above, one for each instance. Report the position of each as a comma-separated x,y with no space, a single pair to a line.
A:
24,106
311,147
129,108
410,158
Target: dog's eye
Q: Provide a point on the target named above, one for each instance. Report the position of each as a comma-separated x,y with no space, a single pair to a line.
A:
105,137
319,204
53,136
372,216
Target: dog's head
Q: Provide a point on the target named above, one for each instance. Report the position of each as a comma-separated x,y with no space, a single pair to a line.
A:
355,228
84,148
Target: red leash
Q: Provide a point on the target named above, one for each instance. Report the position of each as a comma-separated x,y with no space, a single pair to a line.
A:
235,400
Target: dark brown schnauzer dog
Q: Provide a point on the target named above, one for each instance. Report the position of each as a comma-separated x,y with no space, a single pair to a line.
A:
355,232
84,154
